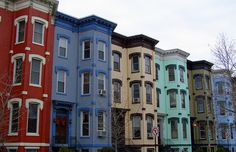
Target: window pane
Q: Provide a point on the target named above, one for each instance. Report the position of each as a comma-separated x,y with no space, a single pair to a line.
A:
135,63
182,99
184,128
21,31
136,90
181,74
172,99
14,117
171,71
116,62
101,121
18,70
200,104
174,129
117,92
38,32
101,50
61,81
148,93
101,81
31,150
35,71
198,82
86,49
32,117
62,47
202,130
147,64
86,80
158,97
136,127
85,123
149,124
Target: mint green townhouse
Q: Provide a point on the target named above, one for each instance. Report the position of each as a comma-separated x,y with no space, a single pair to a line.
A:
172,100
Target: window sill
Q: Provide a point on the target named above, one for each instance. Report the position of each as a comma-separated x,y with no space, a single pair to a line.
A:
202,138
16,43
38,43
85,95
84,137
135,102
32,134
86,59
12,134
148,73
62,57
150,138
35,85
61,93
137,138
135,71
116,70
104,61
149,103
16,84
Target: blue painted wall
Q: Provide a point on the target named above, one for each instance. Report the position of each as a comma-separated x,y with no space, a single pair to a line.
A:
95,29
228,118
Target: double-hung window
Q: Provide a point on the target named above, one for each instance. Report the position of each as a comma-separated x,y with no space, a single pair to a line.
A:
148,64
85,123
149,126
62,52
198,82
136,92
117,91
223,132
33,118
174,128
38,32
220,88
184,123
17,75
14,118
202,130
86,49
171,73
101,81
136,127
116,63
101,50
148,94
36,71
207,82
172,98
61,82
135,63
181,74
200,104
158,97
182,95
20,31
222,107
86,83
101,121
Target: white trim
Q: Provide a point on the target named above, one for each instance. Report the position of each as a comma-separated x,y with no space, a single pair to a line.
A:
104,121
45,95
45,24
62,38
24,17
24,92
31,56
40,102
33,148
104,50
34,18
18,55
12,148
14,100
27,48
28,101
64,79
26,144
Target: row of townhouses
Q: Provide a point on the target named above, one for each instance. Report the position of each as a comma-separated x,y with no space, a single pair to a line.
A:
68,82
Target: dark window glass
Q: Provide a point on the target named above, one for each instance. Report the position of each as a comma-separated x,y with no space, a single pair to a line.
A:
35,71
14,117
21,31
116,62
86,49
38,32
32,117
135,63
18,70
86,80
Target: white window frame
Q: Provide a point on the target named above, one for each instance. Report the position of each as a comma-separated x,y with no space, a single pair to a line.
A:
104,50
65,78
13,60
82,83
9,106
103,115
16,23
12,148
40,107
66,47
37,57
45,25
84,50
103,79
32,148
81,122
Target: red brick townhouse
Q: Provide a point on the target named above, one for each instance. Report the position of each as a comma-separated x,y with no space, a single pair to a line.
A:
26,46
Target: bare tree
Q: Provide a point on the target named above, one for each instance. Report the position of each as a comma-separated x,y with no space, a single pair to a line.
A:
225,54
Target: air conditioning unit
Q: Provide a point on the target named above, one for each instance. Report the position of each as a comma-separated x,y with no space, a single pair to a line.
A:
149,135
136,100
101,133
101,92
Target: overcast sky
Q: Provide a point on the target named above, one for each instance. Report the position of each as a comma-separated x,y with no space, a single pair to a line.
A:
190,25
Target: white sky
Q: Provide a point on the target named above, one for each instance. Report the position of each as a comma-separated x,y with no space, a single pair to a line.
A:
190,25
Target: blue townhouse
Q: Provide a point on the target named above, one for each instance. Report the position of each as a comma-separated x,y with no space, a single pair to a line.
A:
81,87
223,108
